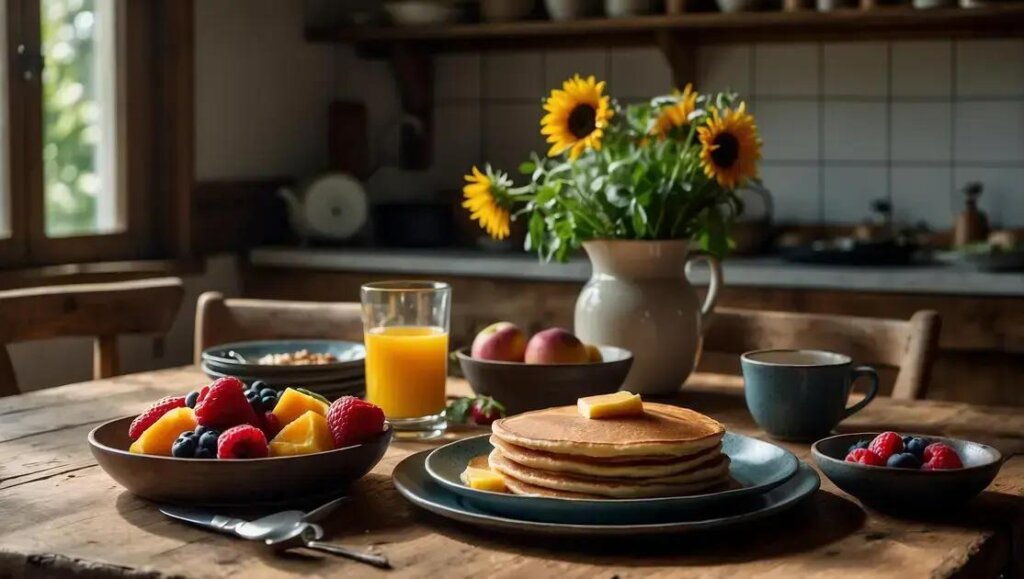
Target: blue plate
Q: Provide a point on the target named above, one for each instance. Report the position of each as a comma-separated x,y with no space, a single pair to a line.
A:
350,357
412,481
756,467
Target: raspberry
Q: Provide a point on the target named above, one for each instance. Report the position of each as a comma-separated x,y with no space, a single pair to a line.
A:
353,421
886,445
931,449
223,405
152,414
942,458
242,441
271,425
865,456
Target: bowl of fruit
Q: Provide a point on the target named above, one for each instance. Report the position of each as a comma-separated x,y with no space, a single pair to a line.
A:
229,443
909,472
552,368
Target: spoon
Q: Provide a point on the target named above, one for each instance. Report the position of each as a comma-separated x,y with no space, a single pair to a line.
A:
305,535
265,526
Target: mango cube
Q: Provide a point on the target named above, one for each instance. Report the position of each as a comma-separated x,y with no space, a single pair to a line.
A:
294,404
306,434
158,438
611,405
484,479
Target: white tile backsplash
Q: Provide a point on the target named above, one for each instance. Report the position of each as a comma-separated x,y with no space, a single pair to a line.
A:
722,67
922,68
786,69
789,129
990,68
921,131
796,192
856,69
842,123
561,65
639,73
989,131
511,75
855,131
849,192
923,194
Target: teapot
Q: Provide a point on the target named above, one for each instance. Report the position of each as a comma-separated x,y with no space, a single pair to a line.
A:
330,207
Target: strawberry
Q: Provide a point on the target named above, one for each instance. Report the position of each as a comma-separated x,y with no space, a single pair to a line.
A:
865,456
353,421
486,410
223,404
152,414
886,444
942,458
242,441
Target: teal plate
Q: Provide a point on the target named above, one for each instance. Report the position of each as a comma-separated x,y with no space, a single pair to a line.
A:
412,482
756,467
350,356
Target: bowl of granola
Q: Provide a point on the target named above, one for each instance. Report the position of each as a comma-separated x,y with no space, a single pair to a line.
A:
329,367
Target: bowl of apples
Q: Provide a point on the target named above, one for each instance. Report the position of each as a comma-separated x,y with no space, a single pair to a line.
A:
551,368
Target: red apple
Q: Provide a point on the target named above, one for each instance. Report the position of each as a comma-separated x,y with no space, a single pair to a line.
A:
555,346
501,341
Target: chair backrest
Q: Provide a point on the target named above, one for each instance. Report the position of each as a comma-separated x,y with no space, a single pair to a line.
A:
909,346
101,311
220,321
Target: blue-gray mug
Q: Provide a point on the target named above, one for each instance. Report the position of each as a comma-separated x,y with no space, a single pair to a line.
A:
802,394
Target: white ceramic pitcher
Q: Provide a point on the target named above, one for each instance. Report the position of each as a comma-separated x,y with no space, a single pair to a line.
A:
639,298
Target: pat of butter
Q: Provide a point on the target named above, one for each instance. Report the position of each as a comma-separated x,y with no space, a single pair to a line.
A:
483,479
611,405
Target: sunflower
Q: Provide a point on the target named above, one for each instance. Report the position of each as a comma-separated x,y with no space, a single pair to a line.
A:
577,116
488,200
675,114
730,146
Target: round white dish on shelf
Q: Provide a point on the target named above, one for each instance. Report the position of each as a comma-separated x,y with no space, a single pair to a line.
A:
421,12
572,9
627,8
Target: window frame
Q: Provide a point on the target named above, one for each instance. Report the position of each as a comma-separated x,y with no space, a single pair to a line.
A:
155,140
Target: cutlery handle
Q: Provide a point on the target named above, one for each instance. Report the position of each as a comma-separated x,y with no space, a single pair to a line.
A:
369,558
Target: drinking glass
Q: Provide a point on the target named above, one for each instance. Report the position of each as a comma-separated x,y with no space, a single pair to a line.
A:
405,327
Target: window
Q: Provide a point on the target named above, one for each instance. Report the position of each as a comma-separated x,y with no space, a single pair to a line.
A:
94,105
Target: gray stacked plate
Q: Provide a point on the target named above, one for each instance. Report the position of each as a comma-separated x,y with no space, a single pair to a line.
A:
345,377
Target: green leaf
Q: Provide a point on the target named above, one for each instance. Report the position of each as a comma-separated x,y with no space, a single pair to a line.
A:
527,168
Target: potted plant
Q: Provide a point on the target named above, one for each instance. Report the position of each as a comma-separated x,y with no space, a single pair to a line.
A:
644,189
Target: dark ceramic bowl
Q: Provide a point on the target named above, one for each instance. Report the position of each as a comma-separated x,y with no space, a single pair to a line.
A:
897,489
522,387
223,482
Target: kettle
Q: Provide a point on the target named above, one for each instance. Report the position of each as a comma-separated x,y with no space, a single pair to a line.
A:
330,207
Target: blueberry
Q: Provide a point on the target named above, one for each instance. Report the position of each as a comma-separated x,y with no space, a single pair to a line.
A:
265,392
203,452
268,402
209,440
191,398
258,385
184,446
858,444
906,440
251,395
904,460
916,446
201,430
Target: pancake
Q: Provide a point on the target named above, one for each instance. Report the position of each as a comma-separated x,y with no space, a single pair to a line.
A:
642,467
697,480
661,431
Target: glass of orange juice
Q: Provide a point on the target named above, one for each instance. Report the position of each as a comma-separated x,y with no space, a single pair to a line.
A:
405,327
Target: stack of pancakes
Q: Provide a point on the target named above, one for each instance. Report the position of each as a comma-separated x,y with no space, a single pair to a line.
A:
556,452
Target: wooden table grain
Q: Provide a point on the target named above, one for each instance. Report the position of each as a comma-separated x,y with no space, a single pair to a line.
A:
60,515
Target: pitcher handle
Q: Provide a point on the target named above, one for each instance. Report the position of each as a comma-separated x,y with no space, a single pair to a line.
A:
708,308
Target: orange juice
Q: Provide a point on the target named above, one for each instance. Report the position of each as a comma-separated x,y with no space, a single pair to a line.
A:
406,368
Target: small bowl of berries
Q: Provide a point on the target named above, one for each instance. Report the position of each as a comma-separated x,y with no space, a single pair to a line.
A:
907,472
233,443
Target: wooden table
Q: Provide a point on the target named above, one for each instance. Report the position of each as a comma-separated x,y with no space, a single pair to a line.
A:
60,514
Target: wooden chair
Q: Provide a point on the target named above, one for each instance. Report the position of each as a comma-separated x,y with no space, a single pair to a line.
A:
219,321
102,311
908,346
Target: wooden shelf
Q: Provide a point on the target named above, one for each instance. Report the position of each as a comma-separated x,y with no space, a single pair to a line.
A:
1000,20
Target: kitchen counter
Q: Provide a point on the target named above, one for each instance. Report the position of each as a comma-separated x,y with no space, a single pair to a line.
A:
768,272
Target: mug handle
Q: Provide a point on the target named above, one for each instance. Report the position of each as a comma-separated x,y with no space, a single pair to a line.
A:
872,391
716,282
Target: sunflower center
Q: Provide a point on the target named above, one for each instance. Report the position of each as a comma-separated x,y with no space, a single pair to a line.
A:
582,120
727,151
